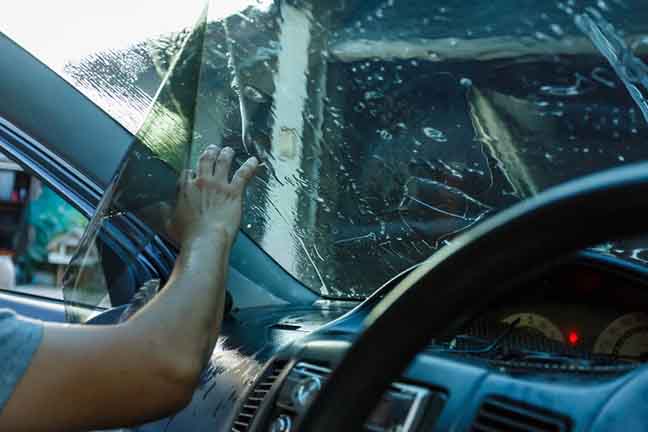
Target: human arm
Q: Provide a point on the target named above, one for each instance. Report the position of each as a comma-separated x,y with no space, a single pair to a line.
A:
85,377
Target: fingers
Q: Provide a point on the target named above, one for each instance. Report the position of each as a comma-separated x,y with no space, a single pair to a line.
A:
207,161
223,163
245,173
214,164
184,178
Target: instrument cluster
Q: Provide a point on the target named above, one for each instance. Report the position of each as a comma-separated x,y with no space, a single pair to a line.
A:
585,309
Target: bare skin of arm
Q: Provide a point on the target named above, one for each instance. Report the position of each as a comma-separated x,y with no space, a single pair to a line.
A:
98,377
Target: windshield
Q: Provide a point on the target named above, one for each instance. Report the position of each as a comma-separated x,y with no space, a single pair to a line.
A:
387,127
101,47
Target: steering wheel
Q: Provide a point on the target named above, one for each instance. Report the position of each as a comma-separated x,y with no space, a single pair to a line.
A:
483,263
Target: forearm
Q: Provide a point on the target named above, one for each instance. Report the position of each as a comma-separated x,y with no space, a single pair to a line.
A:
140,370
191,303
207,217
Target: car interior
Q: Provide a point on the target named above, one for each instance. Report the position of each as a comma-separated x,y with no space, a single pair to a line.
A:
448,230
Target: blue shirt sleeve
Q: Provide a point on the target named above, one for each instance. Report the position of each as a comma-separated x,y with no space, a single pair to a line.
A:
19,339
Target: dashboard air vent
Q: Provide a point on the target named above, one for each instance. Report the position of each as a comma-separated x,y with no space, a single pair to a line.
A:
257,395
501,415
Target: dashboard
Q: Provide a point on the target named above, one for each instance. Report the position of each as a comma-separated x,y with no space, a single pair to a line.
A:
582,333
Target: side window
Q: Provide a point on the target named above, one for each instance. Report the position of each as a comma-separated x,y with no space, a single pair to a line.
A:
39,231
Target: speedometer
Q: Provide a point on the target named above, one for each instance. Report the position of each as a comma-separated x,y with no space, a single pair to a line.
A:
538,323
626,336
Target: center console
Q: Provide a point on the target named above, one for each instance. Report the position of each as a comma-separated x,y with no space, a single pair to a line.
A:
401,407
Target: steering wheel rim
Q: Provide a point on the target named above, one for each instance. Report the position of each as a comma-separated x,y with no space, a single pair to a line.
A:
503,250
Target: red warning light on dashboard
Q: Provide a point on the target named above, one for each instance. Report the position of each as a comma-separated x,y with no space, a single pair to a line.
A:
573,337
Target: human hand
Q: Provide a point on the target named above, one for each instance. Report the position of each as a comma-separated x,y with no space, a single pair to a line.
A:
208,202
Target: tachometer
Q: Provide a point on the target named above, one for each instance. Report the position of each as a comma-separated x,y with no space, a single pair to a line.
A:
627,336
538,323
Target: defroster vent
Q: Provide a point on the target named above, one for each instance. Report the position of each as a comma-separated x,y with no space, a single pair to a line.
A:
255,398
501,415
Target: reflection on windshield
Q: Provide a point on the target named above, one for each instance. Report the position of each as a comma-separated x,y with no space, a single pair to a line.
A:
388,127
